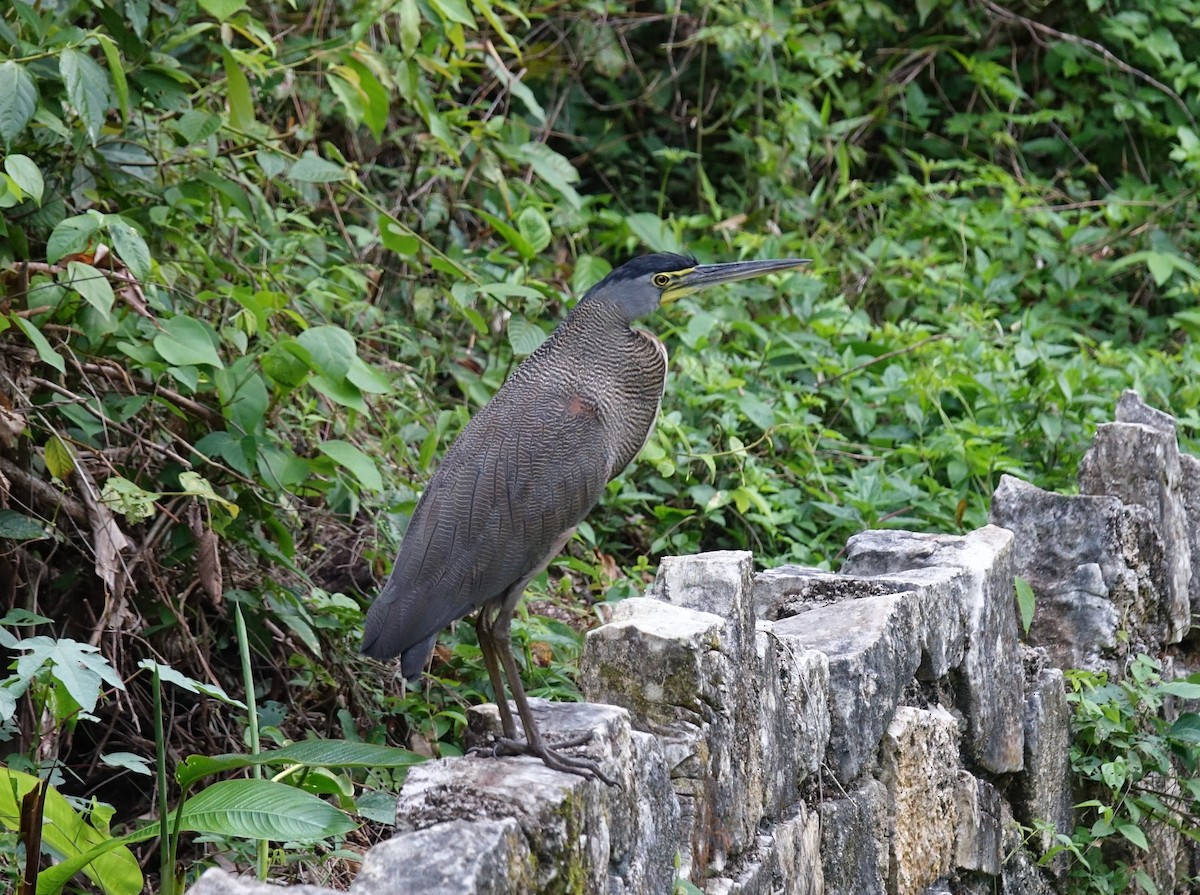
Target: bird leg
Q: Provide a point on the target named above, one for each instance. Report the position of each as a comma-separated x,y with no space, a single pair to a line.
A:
485,630
499,640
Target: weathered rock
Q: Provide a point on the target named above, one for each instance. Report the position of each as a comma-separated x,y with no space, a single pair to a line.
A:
785,859
794,727
218,882
1136,459
873,653
981,814
582,834
920,770
1189,468
1021,874
719,582
674,668
1092,563
854,830
788,590
1043,789
992,678
457,857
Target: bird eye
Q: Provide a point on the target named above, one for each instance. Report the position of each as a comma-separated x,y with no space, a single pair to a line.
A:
660,280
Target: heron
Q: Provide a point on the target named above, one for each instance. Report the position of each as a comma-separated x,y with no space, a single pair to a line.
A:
525,471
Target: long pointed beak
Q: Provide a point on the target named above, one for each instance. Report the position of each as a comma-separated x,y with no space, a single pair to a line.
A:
703,276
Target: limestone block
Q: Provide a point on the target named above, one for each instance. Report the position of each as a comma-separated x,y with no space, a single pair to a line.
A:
786,858
979,836
872,648
718,582
1136,460
854,851
218,882
1189,467
920,769
457,857
674,669
794,727
992,677
578,831
1043,790
1092,563
787,590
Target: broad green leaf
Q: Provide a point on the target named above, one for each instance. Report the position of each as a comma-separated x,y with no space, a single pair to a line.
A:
454,11
589,270
45,352
517,89
196,485
26,175
554,169
287,363
1186,728
368,378
129,761
237,92
1026,602
353,459
127,499
18,100
263,809
654,232
311,168
1182,689
187,342
87,89
1133,833
331,348
72,236
340,391
308,753
92,284
69,835
525,337
129,245
398,238
222,10
511,235
169,675
196,126
410,26
116,70
58,457
19,527
533,226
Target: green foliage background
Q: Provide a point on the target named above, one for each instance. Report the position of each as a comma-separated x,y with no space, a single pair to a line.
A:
262,261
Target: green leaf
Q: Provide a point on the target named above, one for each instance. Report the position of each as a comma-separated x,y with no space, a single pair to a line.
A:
45,352
311,168
237,92
511,235
87,89
353,459
533,226
331,348
169,675
410,26
26,175
92,284
58,457
126,498
129,761
398,238
18,100
554,169
19,527
308,754
1133,833
262,809
129,245
589,270
187,342
197,486
1186,728
525,337
222,10
1182,689
653,232
454,11
116,70
1026,601
68,834
71,236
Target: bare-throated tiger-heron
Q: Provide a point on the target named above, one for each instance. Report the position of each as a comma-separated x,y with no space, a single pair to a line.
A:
526,470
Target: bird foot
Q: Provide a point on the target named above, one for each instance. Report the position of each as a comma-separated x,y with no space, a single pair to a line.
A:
571,764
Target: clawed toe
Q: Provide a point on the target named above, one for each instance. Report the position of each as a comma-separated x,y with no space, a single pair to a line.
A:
579,765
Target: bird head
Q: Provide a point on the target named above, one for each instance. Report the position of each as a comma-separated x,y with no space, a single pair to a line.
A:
640,286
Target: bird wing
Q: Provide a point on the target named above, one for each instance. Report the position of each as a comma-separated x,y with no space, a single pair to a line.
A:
521,474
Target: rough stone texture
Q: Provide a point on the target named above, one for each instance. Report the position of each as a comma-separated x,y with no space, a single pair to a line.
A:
789,590
785,859
992,677
1092,563
854,830
584,836
920,771
794,727
1136,459
1189,468
457,857
218,882
1043,789
981,817
873,653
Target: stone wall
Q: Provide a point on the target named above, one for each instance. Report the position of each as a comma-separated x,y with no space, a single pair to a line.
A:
880,730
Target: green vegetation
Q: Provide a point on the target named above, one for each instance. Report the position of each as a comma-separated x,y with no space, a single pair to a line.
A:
260,262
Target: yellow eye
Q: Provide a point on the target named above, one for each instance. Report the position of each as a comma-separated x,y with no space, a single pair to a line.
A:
661,280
